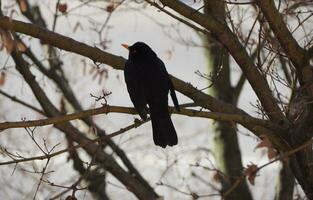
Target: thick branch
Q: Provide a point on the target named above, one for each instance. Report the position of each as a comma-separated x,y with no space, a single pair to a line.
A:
98,55
220,31
140,190
62,42
297,55
284,36
310,52
117,62
224,35
118,109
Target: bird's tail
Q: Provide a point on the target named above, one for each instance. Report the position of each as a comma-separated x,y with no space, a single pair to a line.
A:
163,129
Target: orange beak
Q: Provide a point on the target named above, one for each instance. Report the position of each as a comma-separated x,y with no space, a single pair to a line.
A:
125,45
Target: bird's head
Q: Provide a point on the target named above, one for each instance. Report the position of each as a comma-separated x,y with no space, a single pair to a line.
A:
139,51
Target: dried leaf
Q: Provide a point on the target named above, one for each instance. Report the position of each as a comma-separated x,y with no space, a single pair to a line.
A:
70,198
23,5
2,78
271,153
21,46
250,172
217,177
110,8
62,105
7,40
62,7
194,195
266,143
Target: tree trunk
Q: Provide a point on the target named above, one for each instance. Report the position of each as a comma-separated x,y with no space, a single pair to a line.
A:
285,184
226,147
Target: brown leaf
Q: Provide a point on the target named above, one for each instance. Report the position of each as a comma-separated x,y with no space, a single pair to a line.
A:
21,46
23,5
250,172
62,7
70,198
2,78
217,177
266,143
110,8
7,40
62,105
271,153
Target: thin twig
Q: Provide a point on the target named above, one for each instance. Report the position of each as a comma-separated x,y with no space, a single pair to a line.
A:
50,155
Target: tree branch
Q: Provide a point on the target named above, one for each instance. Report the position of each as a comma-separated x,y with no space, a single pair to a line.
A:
221,32
256,80
48,156
117,62
13,98
98,55
187,23
284,36
134,184
297,55
310,52
62,42
128,110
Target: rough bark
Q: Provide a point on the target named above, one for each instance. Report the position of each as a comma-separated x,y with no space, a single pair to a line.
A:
285,184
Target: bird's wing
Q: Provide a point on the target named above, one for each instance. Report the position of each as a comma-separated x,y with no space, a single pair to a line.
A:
135,89
173,94
171,86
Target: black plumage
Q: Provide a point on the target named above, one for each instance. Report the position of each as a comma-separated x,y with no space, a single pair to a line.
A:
148,83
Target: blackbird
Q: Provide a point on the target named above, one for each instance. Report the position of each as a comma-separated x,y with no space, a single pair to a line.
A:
149,83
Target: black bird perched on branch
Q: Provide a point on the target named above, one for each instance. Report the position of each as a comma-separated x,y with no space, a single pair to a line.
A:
149,83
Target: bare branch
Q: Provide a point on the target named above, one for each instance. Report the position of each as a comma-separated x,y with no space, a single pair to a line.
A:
244,119
222,33
13,98
50,155
136,185
284,36
62,42
191,25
